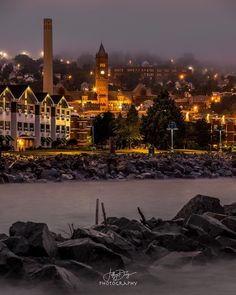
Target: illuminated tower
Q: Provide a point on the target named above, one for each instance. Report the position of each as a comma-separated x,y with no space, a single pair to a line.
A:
48,57
102,78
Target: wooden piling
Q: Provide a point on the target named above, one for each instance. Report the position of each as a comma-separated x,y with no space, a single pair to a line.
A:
104,214
97,212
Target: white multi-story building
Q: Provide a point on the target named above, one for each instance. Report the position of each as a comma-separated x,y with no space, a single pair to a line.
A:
31,120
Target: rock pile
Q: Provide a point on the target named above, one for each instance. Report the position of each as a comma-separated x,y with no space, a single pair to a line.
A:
108,167
201,232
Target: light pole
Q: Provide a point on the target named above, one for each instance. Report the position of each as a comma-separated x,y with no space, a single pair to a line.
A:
172,127
220,129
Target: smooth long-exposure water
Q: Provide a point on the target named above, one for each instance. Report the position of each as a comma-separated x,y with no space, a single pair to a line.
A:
58,204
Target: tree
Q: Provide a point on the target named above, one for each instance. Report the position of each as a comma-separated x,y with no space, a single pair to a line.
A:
104,126
127,130
133,127
154,125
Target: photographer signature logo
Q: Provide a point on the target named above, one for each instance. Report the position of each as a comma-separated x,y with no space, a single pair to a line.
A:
118,277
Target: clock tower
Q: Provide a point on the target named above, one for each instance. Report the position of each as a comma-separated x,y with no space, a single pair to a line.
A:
102,78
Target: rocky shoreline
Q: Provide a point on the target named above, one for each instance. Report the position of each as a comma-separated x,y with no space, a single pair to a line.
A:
203,231
27,169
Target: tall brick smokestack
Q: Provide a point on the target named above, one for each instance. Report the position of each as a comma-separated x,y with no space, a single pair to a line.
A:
48,57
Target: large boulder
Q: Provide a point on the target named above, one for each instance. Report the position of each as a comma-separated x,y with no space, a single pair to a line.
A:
176,242
230,222
206,224
230,209
127,226
57,277
41,242
154,251
85,272
199,205
109,238
86,251
18,245
10,264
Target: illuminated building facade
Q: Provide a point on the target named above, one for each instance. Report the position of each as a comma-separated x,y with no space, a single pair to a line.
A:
30,120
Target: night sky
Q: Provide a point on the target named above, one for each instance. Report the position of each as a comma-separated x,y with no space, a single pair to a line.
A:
167,28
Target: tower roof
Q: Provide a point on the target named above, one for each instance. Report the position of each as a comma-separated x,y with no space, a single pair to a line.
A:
102,52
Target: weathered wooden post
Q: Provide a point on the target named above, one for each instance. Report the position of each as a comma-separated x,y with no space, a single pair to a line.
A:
143,219
97,212
104,214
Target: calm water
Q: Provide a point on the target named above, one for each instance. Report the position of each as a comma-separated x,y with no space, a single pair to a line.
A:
74,202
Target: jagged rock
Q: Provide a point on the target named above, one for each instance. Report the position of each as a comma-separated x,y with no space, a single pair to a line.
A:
86,251
206,224
56,276
41,242
10,264
226,242
154,251
230,209
176,242
168,227
199,205
3,237
109,238
83,271
18,245
230,222
217,216
50,174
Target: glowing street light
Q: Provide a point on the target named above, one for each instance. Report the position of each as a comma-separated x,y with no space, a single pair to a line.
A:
181,76
3,54
172,127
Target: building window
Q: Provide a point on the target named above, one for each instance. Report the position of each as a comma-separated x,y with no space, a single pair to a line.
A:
68,113
7,125
25,126
67,129
63,129
58,129
31,127
47,128
42,127
19,126
1,125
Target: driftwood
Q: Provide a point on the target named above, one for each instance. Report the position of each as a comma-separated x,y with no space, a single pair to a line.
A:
97,212
143,219
104,214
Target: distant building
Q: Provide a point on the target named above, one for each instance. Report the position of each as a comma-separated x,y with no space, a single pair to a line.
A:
101,84
153,73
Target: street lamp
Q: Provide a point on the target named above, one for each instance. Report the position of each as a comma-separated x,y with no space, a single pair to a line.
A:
220,129
172,127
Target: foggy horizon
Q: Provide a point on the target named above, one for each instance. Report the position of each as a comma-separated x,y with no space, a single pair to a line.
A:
158,27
